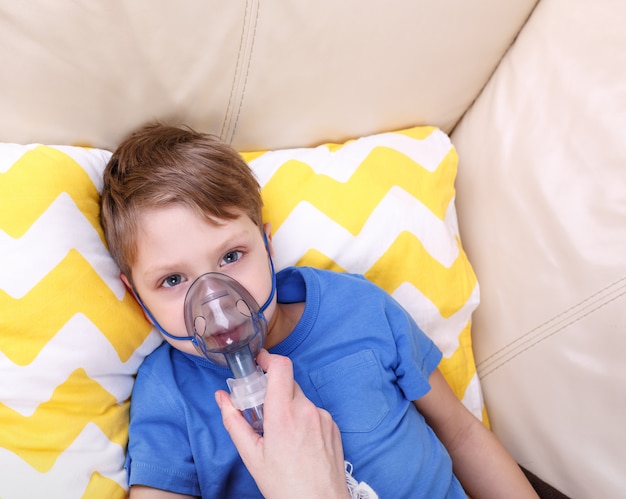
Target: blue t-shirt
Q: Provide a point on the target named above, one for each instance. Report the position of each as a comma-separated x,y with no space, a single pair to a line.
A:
355,352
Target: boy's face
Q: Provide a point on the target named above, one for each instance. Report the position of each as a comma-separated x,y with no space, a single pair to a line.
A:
175,246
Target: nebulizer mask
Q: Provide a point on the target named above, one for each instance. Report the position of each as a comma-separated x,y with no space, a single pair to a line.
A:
227,327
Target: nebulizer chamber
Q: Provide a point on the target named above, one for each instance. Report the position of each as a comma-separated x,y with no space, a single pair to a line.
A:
228,329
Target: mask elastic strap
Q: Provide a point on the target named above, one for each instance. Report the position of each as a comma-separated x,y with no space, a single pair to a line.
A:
156,323
273,292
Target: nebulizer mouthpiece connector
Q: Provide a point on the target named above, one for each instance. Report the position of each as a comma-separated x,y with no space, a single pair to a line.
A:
229,329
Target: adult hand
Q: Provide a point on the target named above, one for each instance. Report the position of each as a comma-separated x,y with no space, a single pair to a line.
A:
300,452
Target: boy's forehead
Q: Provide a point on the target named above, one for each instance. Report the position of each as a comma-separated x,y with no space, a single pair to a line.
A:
174,220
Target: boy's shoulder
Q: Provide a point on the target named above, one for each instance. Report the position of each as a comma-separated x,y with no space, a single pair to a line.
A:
157,359
307,271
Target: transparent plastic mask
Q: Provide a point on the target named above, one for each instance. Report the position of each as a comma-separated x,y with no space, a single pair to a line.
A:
228,328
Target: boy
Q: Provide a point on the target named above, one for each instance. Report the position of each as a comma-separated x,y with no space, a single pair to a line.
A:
177,204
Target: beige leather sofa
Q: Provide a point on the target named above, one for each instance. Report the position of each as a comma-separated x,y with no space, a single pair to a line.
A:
532,93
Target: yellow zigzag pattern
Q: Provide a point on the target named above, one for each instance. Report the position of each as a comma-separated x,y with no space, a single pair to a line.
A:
89,461
61,227
387,273
337,199
100,486
24,435
79,344
458,368
49,297
437,287
71,337
426,146
48,176
308,228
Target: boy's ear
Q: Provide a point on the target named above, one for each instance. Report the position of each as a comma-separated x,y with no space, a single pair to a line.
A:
127,283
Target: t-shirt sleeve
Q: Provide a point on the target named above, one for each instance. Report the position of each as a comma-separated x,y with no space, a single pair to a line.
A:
417,355
159,454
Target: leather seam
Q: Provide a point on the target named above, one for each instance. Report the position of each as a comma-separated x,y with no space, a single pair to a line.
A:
239,84
551,327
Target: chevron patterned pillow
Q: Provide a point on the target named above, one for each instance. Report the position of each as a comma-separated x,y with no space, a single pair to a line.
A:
382,206
71,339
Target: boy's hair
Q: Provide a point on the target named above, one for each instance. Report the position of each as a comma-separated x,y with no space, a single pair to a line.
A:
161,165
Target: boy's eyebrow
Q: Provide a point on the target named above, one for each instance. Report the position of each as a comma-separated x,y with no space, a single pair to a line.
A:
159,269
242,236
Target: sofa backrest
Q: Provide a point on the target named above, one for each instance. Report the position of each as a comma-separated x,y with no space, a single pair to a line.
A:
260,74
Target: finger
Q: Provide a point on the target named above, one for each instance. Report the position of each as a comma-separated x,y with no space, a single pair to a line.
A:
247,441
281,386
263,358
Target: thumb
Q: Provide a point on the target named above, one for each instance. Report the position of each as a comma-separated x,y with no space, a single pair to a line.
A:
248,442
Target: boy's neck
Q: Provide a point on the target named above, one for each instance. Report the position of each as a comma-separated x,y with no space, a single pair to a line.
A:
285,320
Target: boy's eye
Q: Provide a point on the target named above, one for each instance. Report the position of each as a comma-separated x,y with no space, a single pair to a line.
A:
172,280
231,257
